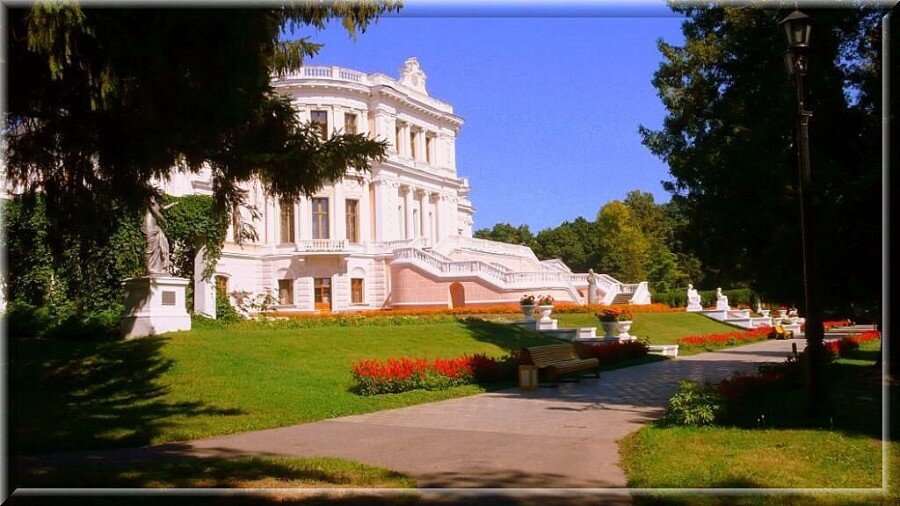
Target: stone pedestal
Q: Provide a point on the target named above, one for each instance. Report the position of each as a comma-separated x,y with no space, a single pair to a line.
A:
154,305
694,307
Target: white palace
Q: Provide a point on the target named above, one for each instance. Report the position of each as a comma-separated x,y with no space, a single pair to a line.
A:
399,236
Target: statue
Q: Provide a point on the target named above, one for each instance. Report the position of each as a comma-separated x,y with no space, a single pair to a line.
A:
693,299
721,301
592,287
156,255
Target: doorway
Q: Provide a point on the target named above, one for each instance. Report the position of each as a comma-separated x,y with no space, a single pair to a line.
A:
322,294
457,295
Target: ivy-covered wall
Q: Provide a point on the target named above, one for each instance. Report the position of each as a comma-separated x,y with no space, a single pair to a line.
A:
71,285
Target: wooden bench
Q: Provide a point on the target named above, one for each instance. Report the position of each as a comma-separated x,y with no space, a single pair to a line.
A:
778,332
559,359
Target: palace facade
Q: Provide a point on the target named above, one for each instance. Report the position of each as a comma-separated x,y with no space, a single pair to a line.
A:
399,236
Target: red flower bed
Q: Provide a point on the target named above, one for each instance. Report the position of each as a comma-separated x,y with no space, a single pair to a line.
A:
738,386
612,352
845,345
721,340
403,374
835,323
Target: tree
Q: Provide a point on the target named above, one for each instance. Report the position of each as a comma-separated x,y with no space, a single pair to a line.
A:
623,244
732,161
504,232
102,102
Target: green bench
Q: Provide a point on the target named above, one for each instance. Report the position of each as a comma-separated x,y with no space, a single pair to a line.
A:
556,360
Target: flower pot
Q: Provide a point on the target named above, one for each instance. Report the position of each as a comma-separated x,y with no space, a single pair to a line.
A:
609,329
623,328
545,313
528,311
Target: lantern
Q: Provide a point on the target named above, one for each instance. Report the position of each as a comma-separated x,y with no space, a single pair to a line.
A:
528,377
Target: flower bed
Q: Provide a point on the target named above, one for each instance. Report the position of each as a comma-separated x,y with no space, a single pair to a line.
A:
608,353
717,341
843,346
829,324
403,374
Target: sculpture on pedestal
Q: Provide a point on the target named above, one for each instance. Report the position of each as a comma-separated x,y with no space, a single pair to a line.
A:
693,299
592,287
156,255
721,301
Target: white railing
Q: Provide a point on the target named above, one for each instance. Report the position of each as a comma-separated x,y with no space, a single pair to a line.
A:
555,263
353,76
483,245
322,245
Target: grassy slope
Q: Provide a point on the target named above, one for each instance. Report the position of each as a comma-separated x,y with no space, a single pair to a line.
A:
793,454
69,395
661,328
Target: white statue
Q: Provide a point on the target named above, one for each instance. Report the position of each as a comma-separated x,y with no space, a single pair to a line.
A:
693,299
721,301
592,287
156,255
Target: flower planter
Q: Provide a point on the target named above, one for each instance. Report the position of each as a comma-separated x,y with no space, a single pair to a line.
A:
765,312
623,327
545,313
528,311
609,329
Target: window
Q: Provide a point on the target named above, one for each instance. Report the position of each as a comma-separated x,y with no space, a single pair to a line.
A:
350,123
320,218
398,131
287,221
356,291
319,121
286,292
416,230
353,221
429,146
412,144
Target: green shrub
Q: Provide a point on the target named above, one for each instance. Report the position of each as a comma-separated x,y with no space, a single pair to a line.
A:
678,298
693,405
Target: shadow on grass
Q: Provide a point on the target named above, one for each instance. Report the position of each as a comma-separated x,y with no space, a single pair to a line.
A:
506,336
853,402
72,395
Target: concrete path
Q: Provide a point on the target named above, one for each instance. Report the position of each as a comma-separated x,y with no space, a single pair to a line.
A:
554,437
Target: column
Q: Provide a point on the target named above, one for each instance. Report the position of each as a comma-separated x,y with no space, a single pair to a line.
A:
382,208
363,214
409,227
304,217
339,213
438,217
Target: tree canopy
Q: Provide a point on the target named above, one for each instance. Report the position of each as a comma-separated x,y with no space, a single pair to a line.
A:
103,101
728,141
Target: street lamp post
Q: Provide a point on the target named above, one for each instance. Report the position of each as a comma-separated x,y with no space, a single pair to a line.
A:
798,29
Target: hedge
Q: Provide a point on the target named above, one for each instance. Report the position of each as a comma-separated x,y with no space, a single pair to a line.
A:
678,298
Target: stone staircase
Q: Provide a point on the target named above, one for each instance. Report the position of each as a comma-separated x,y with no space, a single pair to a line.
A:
622,298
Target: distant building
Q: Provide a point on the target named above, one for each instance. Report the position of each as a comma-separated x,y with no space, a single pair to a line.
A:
399,236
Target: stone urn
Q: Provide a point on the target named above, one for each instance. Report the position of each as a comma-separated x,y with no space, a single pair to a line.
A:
528,311
609,329
545,313
765,312
623,327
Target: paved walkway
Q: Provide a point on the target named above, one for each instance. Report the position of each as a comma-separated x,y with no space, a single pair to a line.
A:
554,437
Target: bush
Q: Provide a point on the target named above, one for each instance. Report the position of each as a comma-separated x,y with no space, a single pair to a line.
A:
609,353
678,298
693,405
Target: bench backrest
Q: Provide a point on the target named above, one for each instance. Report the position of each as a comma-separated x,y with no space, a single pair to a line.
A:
543,356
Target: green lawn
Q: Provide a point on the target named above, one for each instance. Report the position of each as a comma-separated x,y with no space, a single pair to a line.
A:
661,328
82,395
842,451
240,472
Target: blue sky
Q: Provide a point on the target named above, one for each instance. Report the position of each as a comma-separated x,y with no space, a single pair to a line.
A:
551,105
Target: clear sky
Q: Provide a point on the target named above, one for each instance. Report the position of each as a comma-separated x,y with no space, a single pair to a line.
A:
551,105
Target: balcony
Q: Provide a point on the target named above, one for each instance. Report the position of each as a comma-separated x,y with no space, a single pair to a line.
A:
323,246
